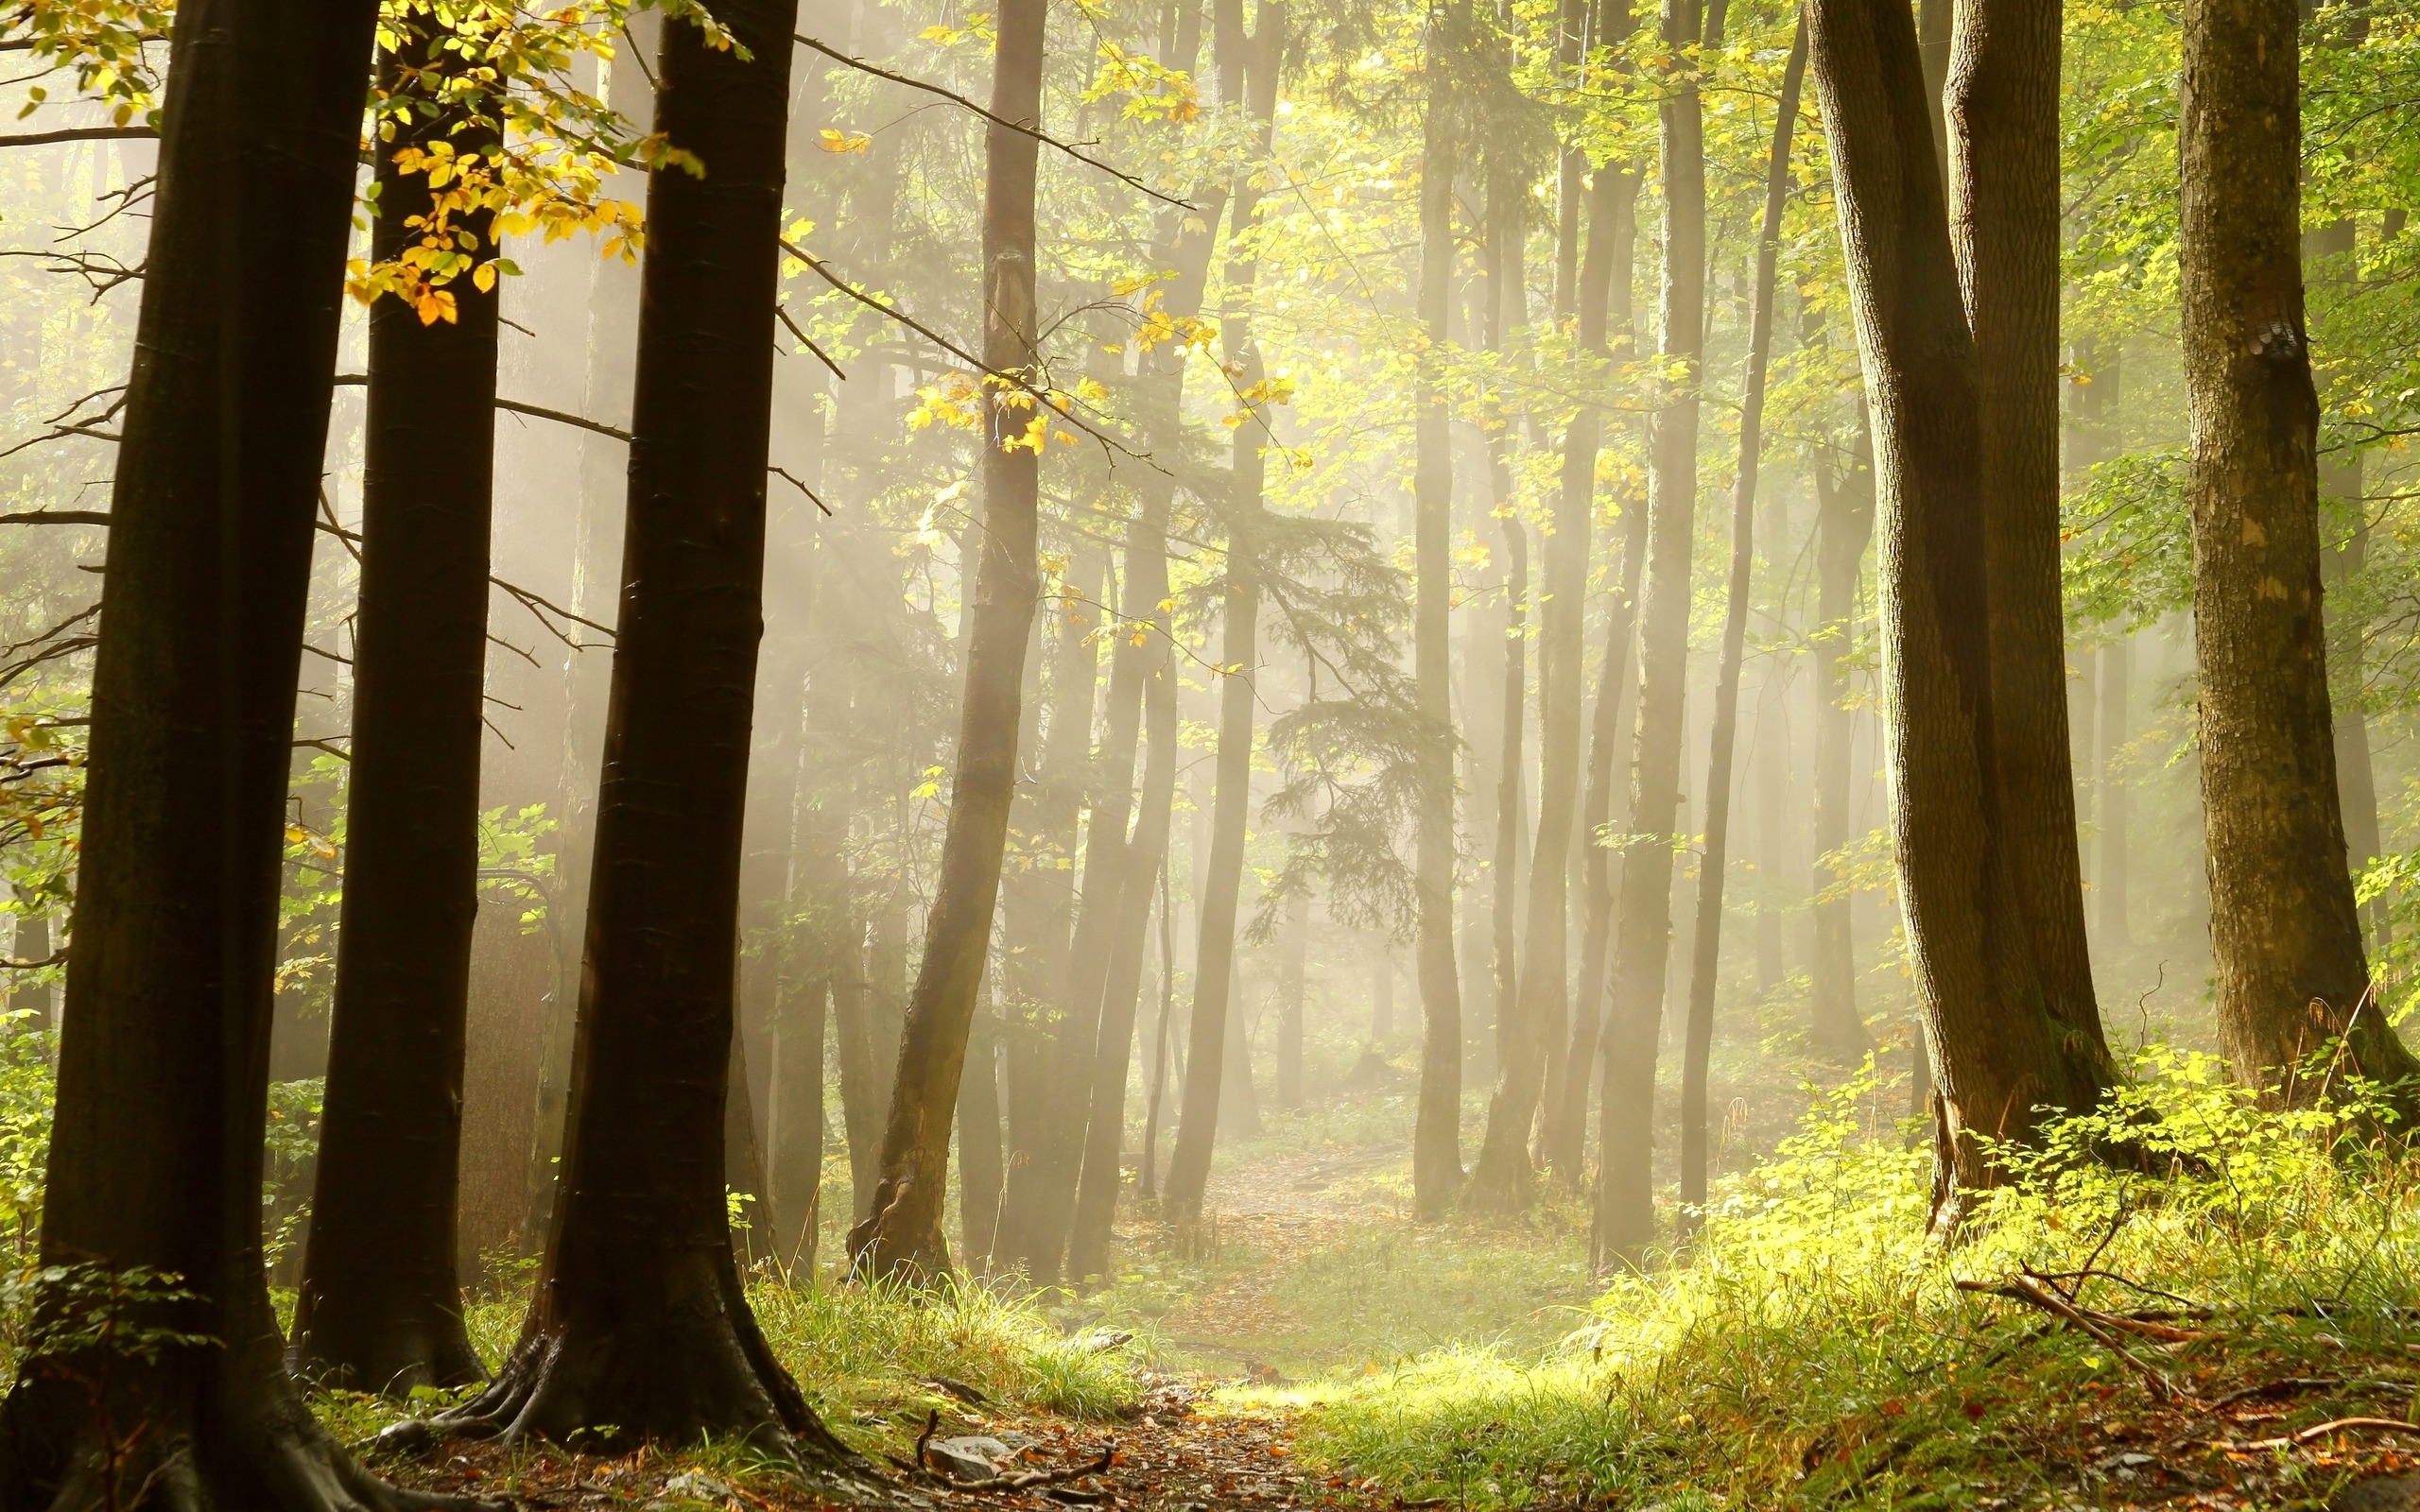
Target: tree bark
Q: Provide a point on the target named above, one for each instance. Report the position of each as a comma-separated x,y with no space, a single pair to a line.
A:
1706,943
2003,126
1436,1146
904,1235
2284,932
155,1161
1843,529
1624,1222
640,1329
981,1173
1997,1052
380,1307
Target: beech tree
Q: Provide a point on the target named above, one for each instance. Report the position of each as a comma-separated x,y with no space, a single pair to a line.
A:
153,1182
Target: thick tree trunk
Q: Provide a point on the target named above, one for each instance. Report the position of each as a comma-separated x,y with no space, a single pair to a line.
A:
155,1159
1625,1214
1706,943
2003,126
1843,529
1436,1146
904,1235
2284,932
380,1307
1998,1051
640,1329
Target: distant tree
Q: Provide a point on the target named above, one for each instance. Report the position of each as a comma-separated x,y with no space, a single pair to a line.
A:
639,1328
151,1222
903,1233
380,1306
2283,927
1624,1220
1843,530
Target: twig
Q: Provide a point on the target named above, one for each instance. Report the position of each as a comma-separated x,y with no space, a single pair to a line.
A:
56,517
80,133
783,311
2275,1388
1035,1479
1002,121
932,1422
2334,1425
57,958
2025,1289
783,473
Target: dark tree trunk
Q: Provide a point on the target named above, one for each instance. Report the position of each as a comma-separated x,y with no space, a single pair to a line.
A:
1625,1214
2003,126
380,1307
1436,1146
2284,932
904,1234
1995,1047
1706,942
155,1159
1843,529
639,1329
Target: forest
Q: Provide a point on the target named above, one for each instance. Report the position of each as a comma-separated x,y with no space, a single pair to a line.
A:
1209,754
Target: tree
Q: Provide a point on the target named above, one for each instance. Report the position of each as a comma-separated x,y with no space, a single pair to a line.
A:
903,1235
1624,1219
1997,1051
639,1328
2284,932
1707,940
155,1165
380,1306
1844,530
1436,1145
2003,111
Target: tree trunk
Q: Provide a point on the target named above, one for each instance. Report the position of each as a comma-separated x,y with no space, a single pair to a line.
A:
512,979
2356,780
380,1306
2117,674
1436,1146
794,1124
1843,528
980,1170
1292,989
640,1329
904,1235
2284,934
1706,942
1996,1050
155,1161
1146,1181
2003,124
1625,1215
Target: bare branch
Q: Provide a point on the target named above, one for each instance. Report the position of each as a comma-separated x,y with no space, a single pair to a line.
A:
80,133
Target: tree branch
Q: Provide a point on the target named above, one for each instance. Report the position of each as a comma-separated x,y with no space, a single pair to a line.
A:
80,133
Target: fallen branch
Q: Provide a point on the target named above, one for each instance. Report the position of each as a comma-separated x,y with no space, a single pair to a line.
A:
2334,1425
2034,1293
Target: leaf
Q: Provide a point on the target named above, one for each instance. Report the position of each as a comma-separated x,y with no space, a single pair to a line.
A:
832,139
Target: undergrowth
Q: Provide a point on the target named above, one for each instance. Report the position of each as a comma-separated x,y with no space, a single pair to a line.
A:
1813,1347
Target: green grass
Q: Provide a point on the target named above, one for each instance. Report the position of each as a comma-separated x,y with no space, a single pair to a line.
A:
1814,1349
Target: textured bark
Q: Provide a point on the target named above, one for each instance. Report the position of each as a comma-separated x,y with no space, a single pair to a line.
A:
1706,942
1624,1222
1844,530
155,1159
380,1306
1997,1052
1436,1146
639,1328
2286,939
904,1234
2003,120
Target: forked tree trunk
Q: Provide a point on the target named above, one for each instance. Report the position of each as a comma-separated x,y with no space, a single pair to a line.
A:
2002,108
1706,942
1997,1052
1843,529
904,1235
1625,1215
2284,932
639,1328
380,1306
1436,1145
155,1158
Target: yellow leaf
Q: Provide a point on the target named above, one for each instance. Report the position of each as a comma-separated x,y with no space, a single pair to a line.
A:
832,139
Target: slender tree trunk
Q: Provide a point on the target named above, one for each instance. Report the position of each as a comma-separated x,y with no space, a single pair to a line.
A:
1997,1049
1625,1216
1706,942
864,1099
982,1172
2117,674
155,1159
2356,777
1146,1180
1436,1150
794,1142
1292,989
381,1305
1843,529
640,1329
2003,127
904,1234
2284,932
